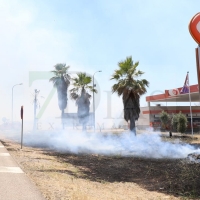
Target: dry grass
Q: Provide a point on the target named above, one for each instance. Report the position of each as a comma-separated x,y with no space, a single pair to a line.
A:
93,177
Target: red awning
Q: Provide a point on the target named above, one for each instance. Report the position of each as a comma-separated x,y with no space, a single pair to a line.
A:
174,95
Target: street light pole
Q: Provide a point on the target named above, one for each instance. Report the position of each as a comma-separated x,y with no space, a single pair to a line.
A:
12,98
94,100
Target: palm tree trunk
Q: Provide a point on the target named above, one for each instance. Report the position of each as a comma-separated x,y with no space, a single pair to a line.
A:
84,127
62,118
132,125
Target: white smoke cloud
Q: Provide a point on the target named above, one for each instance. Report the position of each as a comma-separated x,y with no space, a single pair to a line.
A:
125,144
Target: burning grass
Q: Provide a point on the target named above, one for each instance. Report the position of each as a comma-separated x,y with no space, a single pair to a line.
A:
70,176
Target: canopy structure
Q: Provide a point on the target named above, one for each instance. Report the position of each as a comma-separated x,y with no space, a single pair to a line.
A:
174,95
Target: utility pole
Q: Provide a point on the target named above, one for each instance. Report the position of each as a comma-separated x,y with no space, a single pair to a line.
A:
35,108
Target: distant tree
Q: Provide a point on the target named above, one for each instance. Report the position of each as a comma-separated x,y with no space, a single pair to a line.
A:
174,121
61,81
182,123
80,93
179,122
131,88
165,119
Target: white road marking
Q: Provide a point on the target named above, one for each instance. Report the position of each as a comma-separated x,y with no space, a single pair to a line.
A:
11,170
4,154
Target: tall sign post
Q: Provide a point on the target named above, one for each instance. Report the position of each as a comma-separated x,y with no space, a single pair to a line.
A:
194,28
22,117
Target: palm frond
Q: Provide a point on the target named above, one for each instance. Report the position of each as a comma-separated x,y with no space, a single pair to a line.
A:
59,66
55,72
60,72
117,74
81,84
125,76
74,95
91,88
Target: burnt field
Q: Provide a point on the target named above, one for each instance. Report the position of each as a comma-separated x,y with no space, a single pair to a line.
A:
92,176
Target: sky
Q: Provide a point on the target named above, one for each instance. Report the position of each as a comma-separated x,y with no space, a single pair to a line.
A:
90,36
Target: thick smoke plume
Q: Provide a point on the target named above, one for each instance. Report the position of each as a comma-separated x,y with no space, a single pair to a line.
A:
142,145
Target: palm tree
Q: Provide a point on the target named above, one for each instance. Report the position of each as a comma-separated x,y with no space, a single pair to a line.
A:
80,93
130,88
61,81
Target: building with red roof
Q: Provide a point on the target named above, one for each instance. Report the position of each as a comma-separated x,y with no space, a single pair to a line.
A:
150,115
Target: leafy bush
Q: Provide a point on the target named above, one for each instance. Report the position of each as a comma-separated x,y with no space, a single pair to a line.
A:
177,121
165,119
182,123
174,121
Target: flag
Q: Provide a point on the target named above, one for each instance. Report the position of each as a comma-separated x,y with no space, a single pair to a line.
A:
185,88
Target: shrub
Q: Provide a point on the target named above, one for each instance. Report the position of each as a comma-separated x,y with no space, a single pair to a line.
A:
177,121
182,123
165,119
174,121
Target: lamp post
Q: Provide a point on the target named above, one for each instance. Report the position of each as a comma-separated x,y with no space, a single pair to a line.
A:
94,85
12,98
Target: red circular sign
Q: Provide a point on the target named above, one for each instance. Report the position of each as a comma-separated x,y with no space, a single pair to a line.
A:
194,27
175,92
